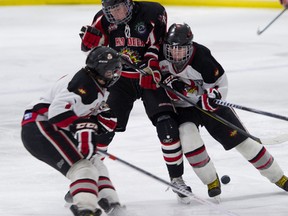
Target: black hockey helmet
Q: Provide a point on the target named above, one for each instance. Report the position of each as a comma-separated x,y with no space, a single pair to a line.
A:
110,5
179,36
104,63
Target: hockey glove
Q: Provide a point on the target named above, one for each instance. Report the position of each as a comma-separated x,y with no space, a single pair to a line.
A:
85,133
90,37
174,83
152,77
206,101
127,58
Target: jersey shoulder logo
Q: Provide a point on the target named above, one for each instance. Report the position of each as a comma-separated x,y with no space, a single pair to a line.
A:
216,72
141,28
82,91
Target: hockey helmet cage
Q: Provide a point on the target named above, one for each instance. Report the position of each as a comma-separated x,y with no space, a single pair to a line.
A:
104,63
179,38
109,5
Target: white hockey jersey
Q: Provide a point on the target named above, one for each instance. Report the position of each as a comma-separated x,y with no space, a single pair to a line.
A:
201,72
71,97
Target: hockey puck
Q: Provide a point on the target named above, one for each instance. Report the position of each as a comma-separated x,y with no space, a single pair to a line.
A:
225,179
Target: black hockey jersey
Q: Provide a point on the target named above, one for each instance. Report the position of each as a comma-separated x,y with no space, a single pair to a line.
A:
140,38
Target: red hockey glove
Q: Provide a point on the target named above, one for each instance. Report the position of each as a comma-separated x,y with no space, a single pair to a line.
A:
90,37
150,81
206,101
174,83
85,133
152,77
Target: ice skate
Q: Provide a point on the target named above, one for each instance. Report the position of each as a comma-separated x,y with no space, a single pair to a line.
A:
78,212
112,209
179,183
68,198
214,189
283,183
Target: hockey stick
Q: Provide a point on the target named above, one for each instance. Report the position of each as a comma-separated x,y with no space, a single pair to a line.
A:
268,141
174,187
183,97
261,31
227,104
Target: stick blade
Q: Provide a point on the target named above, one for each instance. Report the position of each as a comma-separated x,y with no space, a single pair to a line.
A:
259,32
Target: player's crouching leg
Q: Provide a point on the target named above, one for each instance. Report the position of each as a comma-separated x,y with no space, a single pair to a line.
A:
195,151
84,189
108,197
264,162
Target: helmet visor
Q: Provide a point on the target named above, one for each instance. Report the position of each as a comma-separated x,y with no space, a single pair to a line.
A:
118,13
111,76
178,54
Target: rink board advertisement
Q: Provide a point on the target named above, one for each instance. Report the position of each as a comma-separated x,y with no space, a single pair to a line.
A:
216,3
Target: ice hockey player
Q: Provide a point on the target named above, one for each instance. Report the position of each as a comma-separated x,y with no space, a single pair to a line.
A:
62,127
136,30
194,72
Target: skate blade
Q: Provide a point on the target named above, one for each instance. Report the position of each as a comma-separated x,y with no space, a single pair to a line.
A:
184,200
118,212
217,199
68,205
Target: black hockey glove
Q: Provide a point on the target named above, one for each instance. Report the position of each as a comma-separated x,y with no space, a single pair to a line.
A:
85,131
206,101
90,37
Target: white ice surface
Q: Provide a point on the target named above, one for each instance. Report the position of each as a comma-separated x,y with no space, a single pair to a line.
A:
40,44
